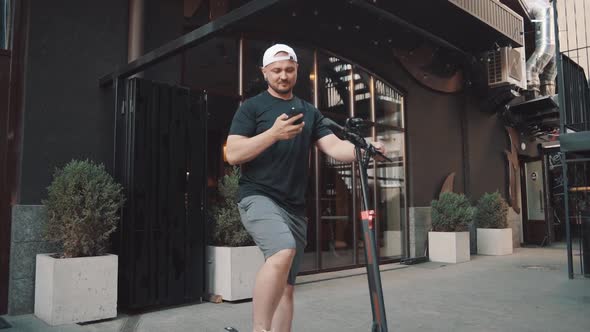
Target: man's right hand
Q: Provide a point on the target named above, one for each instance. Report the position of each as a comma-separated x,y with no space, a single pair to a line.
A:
284,129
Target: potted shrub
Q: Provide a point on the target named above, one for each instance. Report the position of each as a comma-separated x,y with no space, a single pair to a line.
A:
494,237
448,241
80,283
233,258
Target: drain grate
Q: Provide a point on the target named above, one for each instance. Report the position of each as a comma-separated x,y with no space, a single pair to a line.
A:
4,324
540,267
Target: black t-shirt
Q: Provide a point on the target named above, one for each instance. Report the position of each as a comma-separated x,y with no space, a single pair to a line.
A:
280,172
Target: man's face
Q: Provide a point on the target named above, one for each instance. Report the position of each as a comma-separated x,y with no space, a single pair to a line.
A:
281,75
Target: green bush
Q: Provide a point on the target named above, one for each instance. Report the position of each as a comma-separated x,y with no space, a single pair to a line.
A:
83,205
227,229
451,213
492,211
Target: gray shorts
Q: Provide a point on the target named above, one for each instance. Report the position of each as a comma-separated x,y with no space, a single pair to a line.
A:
274,229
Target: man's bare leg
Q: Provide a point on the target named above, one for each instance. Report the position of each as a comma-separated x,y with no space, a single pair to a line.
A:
283,317
270,287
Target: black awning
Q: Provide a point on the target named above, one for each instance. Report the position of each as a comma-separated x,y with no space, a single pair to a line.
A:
341,25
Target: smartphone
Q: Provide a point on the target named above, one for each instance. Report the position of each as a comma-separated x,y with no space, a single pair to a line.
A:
293,112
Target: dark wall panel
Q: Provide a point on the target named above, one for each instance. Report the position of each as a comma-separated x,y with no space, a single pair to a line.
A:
67,115
163,23
434,144
487,162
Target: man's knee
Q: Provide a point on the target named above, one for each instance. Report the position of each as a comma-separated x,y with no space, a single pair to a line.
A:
282,259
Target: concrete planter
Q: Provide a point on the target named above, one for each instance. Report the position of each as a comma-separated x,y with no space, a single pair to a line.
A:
492,241
231,271
74,290
448,247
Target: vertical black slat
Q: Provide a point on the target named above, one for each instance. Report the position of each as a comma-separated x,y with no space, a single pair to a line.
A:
566,91
140,258
571,95
201,118
586,106
170,188
184,109
176,191
155,233
145,228
580,94
164,180
137,238
583,88
201,207
174,264
129,234
181,103
196,152
121,173
574,93
131,200
151,184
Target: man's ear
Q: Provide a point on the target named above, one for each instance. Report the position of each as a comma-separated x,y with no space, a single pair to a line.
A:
263,74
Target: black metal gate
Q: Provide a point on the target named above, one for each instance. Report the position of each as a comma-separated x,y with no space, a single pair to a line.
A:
160,159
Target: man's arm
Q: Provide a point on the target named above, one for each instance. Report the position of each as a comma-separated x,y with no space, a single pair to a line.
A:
341,150
241,149
336,148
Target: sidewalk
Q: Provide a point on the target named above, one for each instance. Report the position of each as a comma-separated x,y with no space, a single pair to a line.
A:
526,291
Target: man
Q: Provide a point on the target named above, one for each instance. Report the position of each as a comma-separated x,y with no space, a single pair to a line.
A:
272,146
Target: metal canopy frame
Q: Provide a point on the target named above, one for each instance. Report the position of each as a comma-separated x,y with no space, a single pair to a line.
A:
188,40
250,9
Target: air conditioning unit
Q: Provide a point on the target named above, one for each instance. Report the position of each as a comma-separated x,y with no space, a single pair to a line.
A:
506,65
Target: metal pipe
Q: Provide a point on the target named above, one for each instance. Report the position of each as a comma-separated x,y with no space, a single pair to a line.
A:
540,69
135,41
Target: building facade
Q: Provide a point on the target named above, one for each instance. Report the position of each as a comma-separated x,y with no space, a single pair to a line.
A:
421,75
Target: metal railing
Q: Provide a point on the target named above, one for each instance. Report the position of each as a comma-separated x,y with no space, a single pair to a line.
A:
574,108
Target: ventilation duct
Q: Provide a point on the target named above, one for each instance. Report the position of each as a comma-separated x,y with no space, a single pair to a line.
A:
541,68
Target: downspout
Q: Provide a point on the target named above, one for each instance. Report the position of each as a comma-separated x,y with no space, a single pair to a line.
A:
136,30
541,69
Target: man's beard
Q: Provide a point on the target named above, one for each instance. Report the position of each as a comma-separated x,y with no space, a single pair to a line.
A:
281,91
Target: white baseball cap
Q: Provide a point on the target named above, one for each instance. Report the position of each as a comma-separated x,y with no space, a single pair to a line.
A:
270,55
